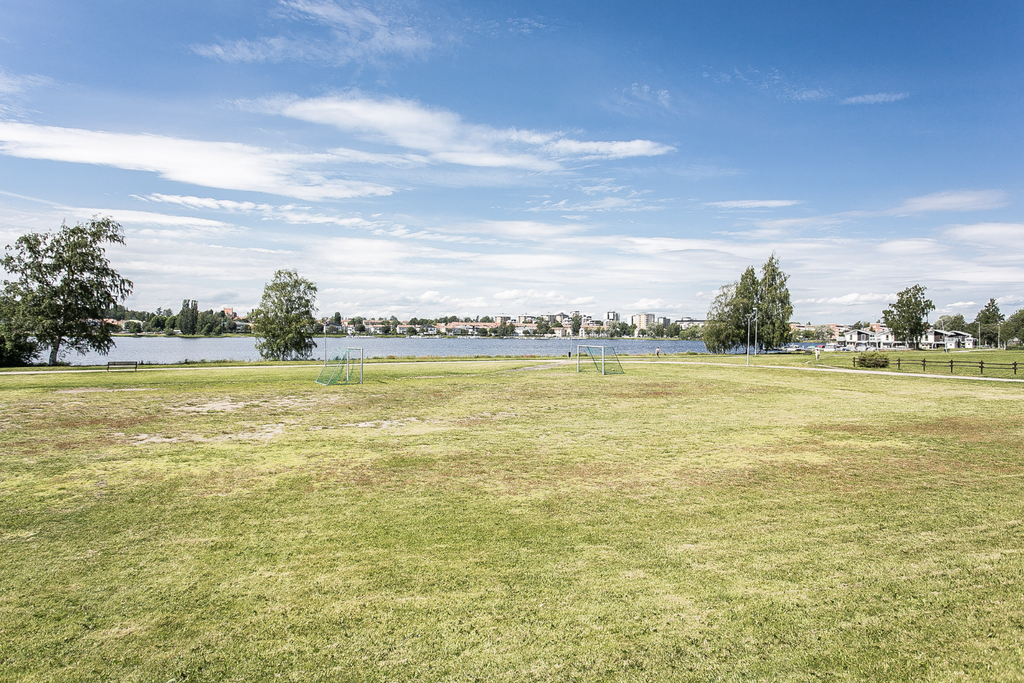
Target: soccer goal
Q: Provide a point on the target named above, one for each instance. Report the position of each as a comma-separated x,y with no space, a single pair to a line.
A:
603,357
342,368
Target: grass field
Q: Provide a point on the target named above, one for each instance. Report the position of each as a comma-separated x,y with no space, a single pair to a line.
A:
510,521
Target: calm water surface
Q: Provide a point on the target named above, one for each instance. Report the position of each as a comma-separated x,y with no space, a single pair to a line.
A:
181,349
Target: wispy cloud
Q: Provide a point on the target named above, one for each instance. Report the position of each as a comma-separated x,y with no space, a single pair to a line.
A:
639,98
851,299
224,165
955,200
11,84
355,33
877,98
525,25
1006,234
754,203
444,137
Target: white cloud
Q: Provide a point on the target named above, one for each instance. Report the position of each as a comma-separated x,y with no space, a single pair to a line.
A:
954,200
754,203
223,165
911,247
959,305
1008,235
877,98
355,34
445,138
649,304
850,299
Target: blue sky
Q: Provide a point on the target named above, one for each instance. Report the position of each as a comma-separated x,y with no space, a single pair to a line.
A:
482,158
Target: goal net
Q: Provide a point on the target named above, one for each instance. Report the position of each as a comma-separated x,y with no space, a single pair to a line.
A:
344,367
599,358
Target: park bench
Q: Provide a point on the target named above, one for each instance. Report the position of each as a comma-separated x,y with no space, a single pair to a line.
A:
122,365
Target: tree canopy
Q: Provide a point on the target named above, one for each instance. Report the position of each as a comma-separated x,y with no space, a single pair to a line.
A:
989,318
954,323
284,323
907,316
63,285
726,326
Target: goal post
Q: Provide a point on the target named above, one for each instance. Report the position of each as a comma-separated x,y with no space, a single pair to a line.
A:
600,358
341,368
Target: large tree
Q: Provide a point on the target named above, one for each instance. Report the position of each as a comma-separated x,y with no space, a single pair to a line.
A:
284,324
720,331
774,308
63,282
951,323
188,317
989,318
1014,327
907,317
733,308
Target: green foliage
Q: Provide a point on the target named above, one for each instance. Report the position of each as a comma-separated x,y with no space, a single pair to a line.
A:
283,323
952,323
725,328
188,317
577,324
543,327
871,359
133,327
506,329
63,285
906,318
989,315
1014,327
16,347
619,329
692,333
734,308
774,306
989,318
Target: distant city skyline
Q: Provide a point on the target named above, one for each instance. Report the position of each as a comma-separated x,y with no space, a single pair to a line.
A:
451,158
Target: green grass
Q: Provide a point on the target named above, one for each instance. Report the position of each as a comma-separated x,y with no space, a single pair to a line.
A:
470,521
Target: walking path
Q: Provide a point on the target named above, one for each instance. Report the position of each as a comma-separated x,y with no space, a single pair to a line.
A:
825,368
546,364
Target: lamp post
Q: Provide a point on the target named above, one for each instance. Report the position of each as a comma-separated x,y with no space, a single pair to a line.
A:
749,316
757,319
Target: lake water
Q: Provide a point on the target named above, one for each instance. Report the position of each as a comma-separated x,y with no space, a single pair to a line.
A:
181,349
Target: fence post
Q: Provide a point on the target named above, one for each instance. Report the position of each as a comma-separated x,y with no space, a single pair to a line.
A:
897,363
981,366
951,366
924,364
855,361
1015,367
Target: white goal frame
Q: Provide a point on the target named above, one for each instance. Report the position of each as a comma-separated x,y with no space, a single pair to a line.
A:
338,370
606,361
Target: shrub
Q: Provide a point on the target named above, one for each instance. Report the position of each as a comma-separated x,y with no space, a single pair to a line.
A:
872,359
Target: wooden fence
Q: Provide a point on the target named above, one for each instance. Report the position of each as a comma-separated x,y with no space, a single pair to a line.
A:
979,364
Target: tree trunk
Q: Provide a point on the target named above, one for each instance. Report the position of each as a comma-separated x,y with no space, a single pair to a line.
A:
54,348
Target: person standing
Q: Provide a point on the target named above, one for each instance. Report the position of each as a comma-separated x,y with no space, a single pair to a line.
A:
657,352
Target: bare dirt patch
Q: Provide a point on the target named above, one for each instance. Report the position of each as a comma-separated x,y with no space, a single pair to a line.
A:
98,390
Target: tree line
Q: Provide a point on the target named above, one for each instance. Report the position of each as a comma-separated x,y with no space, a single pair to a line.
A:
63,288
